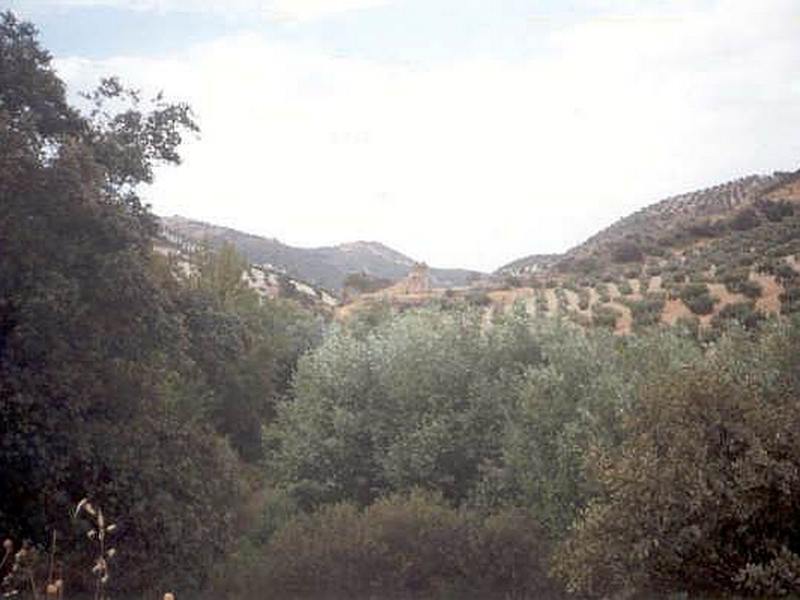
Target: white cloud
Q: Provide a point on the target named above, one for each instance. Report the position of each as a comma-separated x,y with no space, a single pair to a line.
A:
478,162
283,10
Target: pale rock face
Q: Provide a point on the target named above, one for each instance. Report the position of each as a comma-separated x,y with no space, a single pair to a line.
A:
304,289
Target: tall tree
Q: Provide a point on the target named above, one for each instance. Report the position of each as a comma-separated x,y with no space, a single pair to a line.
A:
92,344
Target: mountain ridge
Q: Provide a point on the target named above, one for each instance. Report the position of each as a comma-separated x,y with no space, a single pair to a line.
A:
326,266
665,223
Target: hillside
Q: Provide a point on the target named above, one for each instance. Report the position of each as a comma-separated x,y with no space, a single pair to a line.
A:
530,264
670,225
327,266
726,252
265,280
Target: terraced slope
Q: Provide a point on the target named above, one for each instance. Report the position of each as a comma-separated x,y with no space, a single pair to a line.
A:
732,251
728,252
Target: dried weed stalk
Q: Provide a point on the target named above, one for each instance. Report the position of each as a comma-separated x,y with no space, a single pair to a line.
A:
98,535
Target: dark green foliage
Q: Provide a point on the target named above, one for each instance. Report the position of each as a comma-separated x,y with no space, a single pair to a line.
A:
697,297
743,313
583,299
412,403
784,273
702,494
98,394
790,299
647,311
745,219
478,298
409,544
625,287
676,277
363,283
563,302
542,305
626,252
653,270
705,229
603,292
604,316
737,281
775,210
245,348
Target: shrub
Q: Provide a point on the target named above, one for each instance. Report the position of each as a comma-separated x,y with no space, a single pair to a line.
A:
701,497
652,270
604,316
542,306
624,287
580,319
737,281
689,325
704,229
510,552
603,292
415,402
790,299
408,544
775,210
626,252
563,303
583,299
676,277
478,298
647,312
697,298
361,283
745,219
785,273
743,313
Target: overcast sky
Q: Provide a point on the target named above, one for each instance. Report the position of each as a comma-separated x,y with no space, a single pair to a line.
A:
461,132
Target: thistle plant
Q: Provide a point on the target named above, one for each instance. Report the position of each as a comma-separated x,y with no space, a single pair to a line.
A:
98,534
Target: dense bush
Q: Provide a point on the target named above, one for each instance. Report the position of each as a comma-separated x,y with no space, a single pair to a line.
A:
583,299
362,283
409,543
697,297
790,300
743,313
703,493
478,298
626,252
542,305
415,402
775,210
604,316
603,293
745,219
118,381
647,311
563,301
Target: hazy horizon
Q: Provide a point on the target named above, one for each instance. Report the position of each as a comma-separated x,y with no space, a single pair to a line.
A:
458,133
